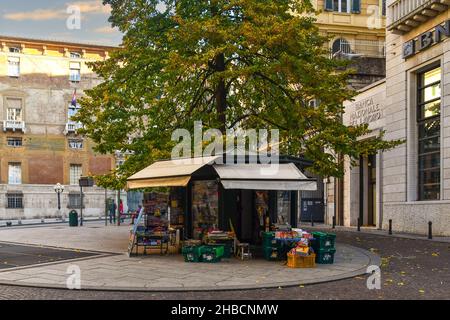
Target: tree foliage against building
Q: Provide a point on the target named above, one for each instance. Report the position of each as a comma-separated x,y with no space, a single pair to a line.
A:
230,64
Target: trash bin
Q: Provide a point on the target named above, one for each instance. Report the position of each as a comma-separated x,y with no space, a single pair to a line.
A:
73,218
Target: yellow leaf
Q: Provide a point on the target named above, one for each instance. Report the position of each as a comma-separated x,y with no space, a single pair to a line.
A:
434,254
400,284
422,291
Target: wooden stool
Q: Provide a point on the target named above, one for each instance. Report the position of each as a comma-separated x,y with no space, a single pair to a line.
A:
244,251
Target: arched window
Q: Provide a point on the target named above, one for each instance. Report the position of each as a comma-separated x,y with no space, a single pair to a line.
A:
341,46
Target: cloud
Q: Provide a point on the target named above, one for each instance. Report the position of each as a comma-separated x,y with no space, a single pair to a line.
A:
85,7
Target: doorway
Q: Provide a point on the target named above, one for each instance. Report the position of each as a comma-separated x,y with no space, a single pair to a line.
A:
368,198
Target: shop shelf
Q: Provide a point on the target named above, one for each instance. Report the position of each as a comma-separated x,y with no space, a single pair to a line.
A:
297,261
325,256
323,240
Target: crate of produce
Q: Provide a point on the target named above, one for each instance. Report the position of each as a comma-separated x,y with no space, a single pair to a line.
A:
325,256
323,240
191,253
297,261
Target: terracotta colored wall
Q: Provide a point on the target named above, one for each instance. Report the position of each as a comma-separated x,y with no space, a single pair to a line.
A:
46,170
99,165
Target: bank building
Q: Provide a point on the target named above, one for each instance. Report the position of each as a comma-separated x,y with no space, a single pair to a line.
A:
410,184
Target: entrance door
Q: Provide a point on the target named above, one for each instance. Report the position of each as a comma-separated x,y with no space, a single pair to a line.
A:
368,190
372,190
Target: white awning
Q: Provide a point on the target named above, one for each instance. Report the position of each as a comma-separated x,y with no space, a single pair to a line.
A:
264,177
171,173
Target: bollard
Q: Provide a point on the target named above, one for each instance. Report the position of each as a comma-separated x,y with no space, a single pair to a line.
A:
390,226
312,220
430,230
334,222
359,224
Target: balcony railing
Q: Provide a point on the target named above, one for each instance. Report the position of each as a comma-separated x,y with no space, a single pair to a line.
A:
405,15
360,48
13,125
72,127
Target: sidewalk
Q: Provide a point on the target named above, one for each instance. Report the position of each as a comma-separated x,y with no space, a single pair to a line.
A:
371,230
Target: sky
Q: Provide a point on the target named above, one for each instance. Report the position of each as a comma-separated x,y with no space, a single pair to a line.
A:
64,20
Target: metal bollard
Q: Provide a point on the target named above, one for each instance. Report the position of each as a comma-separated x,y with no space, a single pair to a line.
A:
334,222
359,224
312,220
430,230
390,226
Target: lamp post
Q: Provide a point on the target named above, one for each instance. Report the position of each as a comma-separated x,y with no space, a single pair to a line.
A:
59,189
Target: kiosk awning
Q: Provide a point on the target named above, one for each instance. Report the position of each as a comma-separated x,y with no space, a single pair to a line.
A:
265,177
171,173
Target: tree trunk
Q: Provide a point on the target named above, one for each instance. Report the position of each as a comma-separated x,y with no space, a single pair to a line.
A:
221,93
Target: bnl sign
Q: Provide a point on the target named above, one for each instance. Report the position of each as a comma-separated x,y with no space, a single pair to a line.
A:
426,40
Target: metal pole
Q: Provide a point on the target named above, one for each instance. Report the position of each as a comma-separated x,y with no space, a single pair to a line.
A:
81,207
312,220
334,222
359,224
106,207
430,230
59,200
390,226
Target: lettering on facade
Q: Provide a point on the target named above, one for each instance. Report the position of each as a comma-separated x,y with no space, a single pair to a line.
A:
366,111
426,40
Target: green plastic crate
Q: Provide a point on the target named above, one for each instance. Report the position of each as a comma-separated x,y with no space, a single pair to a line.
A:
325,256
191,253
323,240
228,249
210,257
275,254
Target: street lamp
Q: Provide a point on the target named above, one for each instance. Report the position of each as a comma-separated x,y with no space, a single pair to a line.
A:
59,189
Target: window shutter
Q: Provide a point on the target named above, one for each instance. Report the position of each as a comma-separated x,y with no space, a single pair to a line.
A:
328,5
356,6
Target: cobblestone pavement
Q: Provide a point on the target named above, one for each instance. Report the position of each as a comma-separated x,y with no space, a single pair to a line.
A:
412,269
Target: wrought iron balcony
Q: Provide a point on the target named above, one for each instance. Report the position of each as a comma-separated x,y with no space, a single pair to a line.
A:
13,125
405,15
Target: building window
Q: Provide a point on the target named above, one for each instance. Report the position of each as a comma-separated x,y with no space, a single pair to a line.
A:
13,109
72,111
14,173
343,6
14,142
74,201
14,49
75,144
75,72
429,134
383,8
75,55
341,46
75,174
13,66
14,200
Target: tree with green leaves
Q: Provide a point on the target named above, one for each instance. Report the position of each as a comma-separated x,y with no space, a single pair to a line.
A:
227,63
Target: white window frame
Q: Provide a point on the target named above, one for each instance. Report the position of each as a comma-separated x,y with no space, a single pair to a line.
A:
75,71
75,172
14,67
14,173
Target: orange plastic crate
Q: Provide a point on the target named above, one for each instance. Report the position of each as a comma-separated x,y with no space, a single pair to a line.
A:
296,261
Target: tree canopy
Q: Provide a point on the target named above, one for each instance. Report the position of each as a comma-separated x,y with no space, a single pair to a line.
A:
227,63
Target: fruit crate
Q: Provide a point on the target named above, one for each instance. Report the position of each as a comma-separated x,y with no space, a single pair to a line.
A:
191,253
325,256
217,250
210,257
323,240
227,249
297,261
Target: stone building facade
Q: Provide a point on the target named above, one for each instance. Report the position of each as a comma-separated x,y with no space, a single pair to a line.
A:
39,144
412,181
357,32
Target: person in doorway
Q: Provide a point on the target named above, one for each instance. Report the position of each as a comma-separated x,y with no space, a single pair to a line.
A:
121,211
112,212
